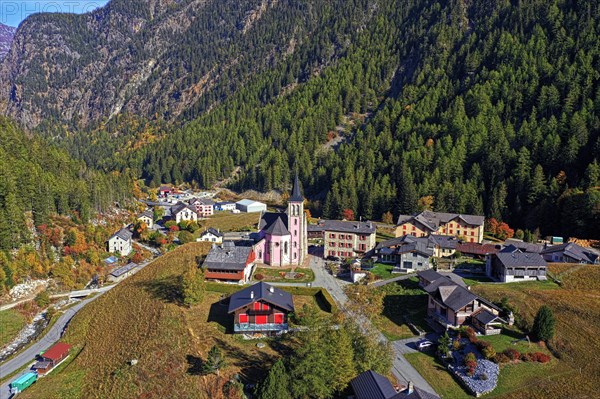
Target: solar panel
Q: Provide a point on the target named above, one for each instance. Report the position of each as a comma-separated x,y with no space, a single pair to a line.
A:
124,269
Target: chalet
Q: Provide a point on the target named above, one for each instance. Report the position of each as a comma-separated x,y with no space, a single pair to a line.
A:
229,263
211,235
260,308
165,191
204,207
443,246
147,217
347,239
515,266
571,253
476,250
121,242
225,206
407,253
372,385
181,212
52,357
470,227
250,206
453,305
524,246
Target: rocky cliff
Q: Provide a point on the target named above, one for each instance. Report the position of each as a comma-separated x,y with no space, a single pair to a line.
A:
6,37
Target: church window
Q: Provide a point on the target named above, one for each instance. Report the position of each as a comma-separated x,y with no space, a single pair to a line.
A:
285,248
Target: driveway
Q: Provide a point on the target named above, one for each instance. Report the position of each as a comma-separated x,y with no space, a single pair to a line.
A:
402,369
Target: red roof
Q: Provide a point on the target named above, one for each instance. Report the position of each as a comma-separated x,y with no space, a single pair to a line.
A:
57,352
474,248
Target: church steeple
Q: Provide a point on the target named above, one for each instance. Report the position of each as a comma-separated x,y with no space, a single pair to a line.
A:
296,193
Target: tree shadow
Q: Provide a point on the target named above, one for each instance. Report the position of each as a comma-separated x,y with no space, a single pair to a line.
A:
253,365
218,314
194,365
166,289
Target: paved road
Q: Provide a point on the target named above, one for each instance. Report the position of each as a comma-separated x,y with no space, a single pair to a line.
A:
27,356
392,280
402,369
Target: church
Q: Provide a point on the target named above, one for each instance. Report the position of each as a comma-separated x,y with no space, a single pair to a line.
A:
282,239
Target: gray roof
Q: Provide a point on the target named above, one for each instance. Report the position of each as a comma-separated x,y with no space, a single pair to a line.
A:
147,213
371,385
180,206
348,227
212,231
248,202
510,249
261,292
417,393
274,223
446,242
124,269
485,316
520,259
123,234
406,244
203,201
574,251
450,294
525,246
432,220
429,275
225,203
296,193
227,256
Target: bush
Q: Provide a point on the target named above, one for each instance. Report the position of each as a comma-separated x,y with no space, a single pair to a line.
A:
456,345
501,358
512,354
527,357
543,325
470,357
481,345
42,299
471,335
170,224
259,276
489,352
540,357
185,237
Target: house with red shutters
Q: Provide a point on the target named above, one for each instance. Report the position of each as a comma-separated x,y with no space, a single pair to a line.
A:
260,308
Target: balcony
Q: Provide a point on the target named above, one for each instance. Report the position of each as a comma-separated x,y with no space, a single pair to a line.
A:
251,327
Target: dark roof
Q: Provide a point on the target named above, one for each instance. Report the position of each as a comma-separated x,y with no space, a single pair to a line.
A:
123,269
407,243
432,220
261,292
314,228
180,206
124,234
447,242
398,241
227,256
225,203
212,231
520,259
274,223
485,316
510,249
525,246
348,227
57,351
429,275
203,201
574,251
147,213
417,393
450,294
371,385
296,193
42,365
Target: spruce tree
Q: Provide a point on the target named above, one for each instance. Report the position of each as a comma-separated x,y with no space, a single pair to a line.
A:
277,383
214,362
543,325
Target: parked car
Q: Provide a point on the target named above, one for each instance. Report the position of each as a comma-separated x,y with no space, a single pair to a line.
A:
425,345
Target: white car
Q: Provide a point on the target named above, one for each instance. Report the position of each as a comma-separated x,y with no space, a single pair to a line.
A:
425,345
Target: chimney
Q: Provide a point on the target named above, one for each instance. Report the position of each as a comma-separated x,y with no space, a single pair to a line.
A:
411,388
251,294
271,289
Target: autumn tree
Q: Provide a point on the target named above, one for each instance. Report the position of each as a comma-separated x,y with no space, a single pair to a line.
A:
192,286
348,214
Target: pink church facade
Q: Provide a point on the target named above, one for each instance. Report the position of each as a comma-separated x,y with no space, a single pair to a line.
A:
283,239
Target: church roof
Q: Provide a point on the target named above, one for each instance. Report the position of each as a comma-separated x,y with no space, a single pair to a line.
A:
277,228
296,194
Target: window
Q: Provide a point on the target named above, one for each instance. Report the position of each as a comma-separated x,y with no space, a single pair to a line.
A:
285,247
260,319
332,243
243,318
472,233
472,240
278,318
404,227
413,228
295,233
331,235
295,222
451,231
256,306
414,255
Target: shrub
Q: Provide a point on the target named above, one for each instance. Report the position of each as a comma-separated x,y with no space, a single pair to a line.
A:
527,357
512,354
501,358
456,345
471,335
185,237
170,224
483,377
259,277
470,358
543,325
540,357
42,299
481,345
489,352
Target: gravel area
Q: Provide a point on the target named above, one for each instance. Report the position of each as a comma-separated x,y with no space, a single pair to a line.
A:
477,384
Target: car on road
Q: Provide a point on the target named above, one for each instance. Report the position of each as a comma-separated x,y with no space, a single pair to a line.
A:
425,345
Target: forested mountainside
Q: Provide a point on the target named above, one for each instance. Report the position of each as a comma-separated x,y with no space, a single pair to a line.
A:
161,58
38,181
462,106
6,36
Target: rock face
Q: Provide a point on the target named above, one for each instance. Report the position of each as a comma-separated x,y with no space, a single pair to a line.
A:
153,58
6,37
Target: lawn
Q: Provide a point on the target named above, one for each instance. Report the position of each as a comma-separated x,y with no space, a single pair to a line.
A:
275,275
12,322
382,270
143,319
226,221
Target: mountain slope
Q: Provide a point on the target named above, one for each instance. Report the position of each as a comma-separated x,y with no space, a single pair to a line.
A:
6,37
156,58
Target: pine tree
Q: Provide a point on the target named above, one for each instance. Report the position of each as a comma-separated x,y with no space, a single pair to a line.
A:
543,325
276,384
192,286
214,361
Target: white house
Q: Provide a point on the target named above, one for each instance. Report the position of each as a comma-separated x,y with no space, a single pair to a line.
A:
211,235
249,206
225,206
181,212
204,207
121,242
147,218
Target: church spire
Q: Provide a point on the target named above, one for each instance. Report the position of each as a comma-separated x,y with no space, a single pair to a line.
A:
296,194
